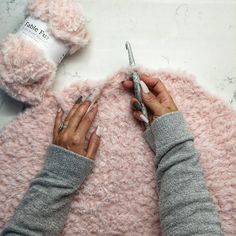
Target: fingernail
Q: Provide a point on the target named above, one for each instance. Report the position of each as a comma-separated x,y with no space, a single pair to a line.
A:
59,110
93,96
79,100
89,97
144,87
92,106
99,131
144,118
137,106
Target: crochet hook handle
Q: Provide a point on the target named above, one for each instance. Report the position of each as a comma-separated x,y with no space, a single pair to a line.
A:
136,81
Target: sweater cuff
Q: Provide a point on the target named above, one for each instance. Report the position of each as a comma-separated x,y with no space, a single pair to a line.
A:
149,137
167,131
67,164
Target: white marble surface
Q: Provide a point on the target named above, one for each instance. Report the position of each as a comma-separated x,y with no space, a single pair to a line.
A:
194,35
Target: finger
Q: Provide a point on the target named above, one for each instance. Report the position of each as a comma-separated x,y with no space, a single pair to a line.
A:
163,95
87,121
78,116
73,109
142,126
135,104
57,123
94,142
150,99
150,117
154,84
128,84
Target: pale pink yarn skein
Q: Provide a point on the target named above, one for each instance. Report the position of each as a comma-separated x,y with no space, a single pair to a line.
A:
25,73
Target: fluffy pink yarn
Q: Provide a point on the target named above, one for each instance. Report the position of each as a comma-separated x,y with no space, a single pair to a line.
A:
65,20
119,196
25,73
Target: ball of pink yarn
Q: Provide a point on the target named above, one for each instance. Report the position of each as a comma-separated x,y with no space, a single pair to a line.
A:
25,73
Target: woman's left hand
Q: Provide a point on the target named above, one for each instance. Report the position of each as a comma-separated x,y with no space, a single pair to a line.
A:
76,126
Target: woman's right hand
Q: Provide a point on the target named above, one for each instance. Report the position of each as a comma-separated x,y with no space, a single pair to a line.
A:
155,96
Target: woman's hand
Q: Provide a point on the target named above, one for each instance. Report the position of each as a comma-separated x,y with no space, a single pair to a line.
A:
155,96
76,126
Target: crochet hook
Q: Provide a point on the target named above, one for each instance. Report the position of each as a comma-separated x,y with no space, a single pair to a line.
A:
136,81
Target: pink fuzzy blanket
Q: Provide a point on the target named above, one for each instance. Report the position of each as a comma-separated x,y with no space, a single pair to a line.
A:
119,196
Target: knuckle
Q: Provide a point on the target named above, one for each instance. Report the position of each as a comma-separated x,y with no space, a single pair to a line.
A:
89,118
81,110
85,105
76,140
97,141
150,98
63,138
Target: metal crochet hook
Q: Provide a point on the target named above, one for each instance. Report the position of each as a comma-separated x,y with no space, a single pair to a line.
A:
136,81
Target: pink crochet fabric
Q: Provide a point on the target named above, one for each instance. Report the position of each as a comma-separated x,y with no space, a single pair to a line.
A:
119,196
25,73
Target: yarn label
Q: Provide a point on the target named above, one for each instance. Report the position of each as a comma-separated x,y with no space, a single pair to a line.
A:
37,32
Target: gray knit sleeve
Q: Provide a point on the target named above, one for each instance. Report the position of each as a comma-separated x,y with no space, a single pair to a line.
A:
46,204
186,207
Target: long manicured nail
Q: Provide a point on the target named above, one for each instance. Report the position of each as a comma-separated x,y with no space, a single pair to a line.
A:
93,96
144,87
89,97
144,118
99,131
92,106
59,110
137,106
79,100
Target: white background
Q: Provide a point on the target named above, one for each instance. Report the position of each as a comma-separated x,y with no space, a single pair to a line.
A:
198,36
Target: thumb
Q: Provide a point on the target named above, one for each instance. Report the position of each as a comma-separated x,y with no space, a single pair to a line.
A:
150,99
